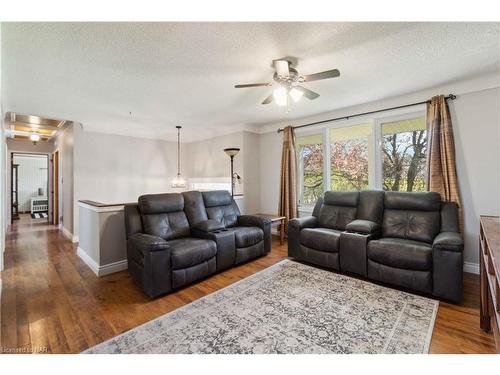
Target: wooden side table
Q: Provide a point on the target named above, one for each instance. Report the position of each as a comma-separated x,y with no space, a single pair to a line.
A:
489,257
275,219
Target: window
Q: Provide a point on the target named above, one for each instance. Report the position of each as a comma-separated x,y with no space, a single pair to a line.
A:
404,148
310,165
349,157
378,153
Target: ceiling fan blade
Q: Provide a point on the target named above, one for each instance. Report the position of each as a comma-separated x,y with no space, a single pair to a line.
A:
251,85
282,68
311,95
268,100
321,75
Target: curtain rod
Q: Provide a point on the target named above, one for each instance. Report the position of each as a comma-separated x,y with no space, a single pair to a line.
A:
451,97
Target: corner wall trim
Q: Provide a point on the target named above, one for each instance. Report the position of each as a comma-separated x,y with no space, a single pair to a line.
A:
105,269
66,232
471,267
88,260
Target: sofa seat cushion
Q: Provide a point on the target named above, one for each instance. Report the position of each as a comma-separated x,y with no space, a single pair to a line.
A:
401,253
188,252
247,236
323,239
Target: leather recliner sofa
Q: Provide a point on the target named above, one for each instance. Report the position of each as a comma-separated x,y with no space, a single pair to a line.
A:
175,239
410,240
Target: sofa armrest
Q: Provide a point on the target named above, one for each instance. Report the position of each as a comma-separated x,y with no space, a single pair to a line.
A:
148,243
449,241
294,229
261,222
226,246
209,225
447,266
303,222
253,221
363,227
149,263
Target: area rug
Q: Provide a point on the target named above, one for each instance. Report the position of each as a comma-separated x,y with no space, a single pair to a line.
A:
289,308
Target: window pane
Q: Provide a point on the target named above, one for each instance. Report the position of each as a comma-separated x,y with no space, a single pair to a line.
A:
404,149
310,150
349,157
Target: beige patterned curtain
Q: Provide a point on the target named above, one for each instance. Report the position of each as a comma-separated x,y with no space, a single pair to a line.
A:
288,186
441,169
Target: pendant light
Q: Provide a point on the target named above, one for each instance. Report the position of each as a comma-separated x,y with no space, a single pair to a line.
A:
179,182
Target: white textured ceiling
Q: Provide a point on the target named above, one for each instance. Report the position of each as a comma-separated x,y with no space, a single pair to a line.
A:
142,79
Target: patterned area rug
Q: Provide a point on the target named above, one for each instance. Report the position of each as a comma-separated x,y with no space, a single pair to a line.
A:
289,308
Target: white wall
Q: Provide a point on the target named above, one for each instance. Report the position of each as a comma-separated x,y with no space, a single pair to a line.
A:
32,175
116,169
476,122
251,172
207,159
3,168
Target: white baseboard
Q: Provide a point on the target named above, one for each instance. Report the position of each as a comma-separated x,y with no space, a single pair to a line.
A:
105,269
88,260
68,234
471,267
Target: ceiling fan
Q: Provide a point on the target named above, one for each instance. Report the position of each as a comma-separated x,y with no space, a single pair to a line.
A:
289,83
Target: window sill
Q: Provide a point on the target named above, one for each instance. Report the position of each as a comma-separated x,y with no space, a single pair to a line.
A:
306,209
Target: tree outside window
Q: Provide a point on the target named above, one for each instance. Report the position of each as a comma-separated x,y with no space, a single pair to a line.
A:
404,151
349,150
310,150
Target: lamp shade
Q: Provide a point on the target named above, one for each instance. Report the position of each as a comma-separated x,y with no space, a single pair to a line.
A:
179,182
231,152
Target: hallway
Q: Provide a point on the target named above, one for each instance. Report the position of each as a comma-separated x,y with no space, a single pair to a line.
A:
52,302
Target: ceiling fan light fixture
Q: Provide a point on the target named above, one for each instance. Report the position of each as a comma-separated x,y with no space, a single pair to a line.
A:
280,96
296,94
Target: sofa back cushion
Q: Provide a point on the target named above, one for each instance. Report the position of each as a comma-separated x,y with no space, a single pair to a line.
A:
194,207
371,205
413,216
163,216
220,206
339,208
133,221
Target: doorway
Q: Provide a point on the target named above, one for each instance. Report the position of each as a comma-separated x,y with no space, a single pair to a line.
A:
29,187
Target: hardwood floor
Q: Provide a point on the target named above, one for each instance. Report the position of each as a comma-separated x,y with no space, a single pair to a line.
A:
52,302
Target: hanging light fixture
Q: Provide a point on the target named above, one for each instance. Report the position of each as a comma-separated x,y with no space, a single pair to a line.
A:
34,137
179,182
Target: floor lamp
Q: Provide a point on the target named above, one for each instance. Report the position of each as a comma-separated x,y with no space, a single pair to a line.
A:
232,152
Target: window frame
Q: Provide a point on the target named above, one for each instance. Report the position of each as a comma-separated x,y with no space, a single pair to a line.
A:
375,154
378,125
300,168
